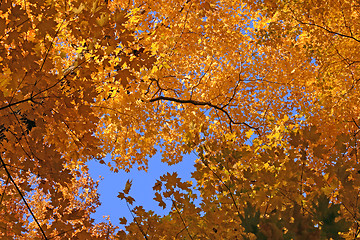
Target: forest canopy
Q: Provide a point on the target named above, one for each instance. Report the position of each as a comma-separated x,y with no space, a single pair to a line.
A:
266,93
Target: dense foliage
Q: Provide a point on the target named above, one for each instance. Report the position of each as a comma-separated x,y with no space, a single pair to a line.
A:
265,92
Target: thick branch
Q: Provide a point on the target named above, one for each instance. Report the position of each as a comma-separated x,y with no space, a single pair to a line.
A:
198,103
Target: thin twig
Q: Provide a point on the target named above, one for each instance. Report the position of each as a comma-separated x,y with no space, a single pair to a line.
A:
231,195
324,28
142,231
182,220
2,195
33,97
22,197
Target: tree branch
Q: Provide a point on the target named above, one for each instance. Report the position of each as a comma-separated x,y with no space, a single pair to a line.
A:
324,28
226,186
138,225
198,103
22,197
182,220
33,97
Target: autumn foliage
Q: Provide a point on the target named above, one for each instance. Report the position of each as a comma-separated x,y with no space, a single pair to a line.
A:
266,93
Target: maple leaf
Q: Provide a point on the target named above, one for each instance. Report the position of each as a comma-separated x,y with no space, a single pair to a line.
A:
82,81
127,186
130,200
123,220
158,198
157,186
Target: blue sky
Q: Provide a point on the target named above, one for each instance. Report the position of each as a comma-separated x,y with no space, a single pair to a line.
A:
141,190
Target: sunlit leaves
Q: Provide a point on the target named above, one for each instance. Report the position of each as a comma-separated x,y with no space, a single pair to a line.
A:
265,92
54,57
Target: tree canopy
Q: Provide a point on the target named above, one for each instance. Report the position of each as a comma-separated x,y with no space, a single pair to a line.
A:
265,93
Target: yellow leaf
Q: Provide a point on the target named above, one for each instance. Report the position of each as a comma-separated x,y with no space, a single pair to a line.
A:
249,133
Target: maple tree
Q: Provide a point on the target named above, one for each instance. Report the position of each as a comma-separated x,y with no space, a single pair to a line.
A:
264,92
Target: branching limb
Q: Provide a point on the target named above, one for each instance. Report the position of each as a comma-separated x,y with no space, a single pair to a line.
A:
199,103
324,28
33,97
